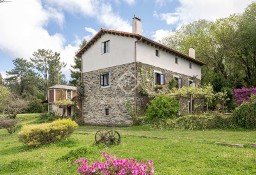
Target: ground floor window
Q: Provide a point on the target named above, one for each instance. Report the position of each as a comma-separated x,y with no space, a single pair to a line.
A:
104,79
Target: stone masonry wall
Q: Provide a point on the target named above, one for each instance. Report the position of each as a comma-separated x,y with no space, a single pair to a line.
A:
118,97
125,84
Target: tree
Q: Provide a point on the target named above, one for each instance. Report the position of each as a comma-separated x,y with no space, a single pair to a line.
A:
1,79
214,43
23,80
246,42
76,68
49,66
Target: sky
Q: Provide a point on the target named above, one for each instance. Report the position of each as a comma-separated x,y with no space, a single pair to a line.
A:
61,25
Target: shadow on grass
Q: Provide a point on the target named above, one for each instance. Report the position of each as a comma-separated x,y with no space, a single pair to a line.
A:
18,165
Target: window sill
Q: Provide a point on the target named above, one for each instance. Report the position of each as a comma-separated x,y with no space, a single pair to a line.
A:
103,87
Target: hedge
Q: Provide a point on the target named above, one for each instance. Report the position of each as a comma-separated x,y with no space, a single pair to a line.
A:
202,121
38,134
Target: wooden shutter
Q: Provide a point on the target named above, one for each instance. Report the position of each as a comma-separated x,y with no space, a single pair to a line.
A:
162,79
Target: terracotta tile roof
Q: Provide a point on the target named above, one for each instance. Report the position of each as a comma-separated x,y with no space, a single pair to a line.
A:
139,37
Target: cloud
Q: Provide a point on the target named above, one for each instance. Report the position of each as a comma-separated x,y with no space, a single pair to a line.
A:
130,2
3,74
170,18
160,34
98,9
91,31
189,11
23,31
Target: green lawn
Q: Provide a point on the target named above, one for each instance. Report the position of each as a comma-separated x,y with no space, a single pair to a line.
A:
173,151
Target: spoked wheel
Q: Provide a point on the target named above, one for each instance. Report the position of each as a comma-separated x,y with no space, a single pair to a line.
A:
99,136
112,137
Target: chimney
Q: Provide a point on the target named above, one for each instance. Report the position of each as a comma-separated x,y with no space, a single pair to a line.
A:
192,53
136,25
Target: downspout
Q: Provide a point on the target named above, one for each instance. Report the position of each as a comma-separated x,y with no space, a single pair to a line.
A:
136,73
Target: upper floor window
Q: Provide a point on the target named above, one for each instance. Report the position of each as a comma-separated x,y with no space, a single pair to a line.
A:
176,60
157,53
69,94
159,78
190,65
104,79
105,47
178,81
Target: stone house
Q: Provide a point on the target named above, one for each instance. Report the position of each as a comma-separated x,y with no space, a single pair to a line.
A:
61,92
117,68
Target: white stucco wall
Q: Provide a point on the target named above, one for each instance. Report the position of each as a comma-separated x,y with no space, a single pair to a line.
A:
121,52
146,54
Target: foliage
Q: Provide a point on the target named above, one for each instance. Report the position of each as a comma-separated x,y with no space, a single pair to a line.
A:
73,155
49,66
35,106
76,68
9,124
34,135
227,46
115,166
162,107
245,115
48,117
23,80
203,121
13,105
4,94
243,94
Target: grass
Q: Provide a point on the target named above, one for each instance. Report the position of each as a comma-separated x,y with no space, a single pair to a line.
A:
173,151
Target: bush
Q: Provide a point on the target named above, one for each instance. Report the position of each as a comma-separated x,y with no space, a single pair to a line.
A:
34,135
48,117
161,108
35,106
245,115
204,121
9,124
115,166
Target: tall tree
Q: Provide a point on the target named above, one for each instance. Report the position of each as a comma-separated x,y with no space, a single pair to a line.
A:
49,66
23,80
246,43
76,68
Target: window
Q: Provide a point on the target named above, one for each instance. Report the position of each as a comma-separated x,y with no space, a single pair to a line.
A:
106,111
159,78
190,82
157,53
105,47
190,65
104,79
176,60
69,94
178,81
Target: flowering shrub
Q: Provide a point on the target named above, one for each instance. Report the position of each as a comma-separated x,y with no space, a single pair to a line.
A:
113,166
243,94
38,134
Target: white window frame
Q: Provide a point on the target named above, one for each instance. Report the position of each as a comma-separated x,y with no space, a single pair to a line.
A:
107,47
109,77
158,72
176,76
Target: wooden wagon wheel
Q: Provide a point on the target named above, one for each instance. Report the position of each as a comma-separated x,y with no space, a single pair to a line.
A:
100,136
112,137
